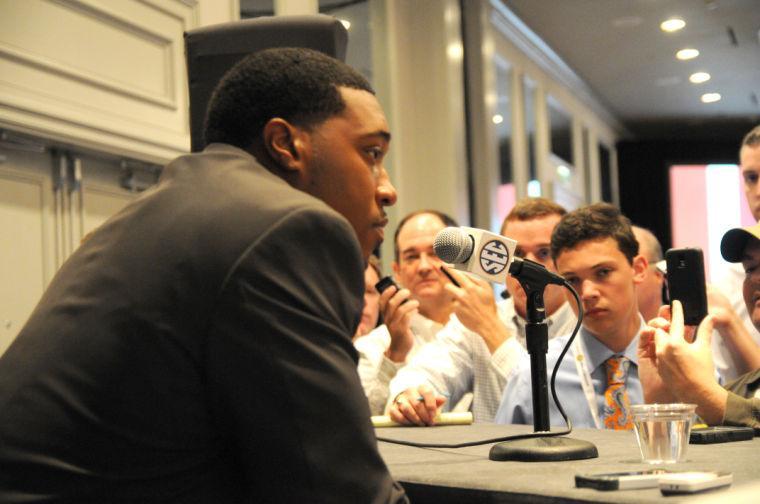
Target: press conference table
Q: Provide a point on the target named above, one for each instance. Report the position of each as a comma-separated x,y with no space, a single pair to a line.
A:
466,475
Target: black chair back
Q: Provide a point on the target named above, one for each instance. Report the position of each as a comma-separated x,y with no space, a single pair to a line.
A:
212,50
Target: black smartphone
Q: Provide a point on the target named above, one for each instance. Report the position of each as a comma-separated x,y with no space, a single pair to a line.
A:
720,434
686,282
384,283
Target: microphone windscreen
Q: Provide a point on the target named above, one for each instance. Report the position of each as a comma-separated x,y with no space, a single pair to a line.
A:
453,245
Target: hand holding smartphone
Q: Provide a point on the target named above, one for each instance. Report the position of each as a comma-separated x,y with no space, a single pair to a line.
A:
384,283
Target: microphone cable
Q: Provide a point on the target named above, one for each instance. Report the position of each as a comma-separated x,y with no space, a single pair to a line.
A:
568,422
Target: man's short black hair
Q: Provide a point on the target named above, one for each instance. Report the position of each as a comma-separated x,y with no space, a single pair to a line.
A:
594,222
296,84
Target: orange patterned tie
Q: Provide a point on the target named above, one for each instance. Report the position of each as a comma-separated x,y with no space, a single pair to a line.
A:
616,412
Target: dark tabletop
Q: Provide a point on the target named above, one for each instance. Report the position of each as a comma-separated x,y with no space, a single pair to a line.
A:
467,475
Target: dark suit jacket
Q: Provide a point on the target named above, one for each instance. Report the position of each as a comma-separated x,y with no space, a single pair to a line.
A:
197,348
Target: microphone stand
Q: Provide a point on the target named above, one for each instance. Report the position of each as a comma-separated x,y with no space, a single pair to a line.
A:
534,278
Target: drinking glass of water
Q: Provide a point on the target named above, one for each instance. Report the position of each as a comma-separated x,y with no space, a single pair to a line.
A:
662,431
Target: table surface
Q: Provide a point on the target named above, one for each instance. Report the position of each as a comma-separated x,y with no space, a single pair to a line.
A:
467,475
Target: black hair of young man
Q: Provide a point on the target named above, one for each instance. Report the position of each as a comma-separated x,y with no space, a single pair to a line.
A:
296,84
594,222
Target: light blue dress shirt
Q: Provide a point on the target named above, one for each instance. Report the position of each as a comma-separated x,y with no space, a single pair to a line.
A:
517,402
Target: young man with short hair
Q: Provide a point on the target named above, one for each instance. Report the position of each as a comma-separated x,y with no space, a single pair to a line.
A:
595,250
197,347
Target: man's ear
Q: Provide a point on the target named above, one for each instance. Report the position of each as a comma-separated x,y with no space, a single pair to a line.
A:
639,265
286,144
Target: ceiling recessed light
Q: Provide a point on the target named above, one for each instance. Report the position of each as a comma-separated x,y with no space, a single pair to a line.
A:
699,77
687,54
346,23
710,97
497,119
672,24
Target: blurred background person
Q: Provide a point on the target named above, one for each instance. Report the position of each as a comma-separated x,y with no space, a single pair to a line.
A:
649,291
371,311
413,314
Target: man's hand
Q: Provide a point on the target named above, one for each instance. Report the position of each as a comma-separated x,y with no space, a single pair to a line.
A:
475,307
687,368
655,390
397,308
416,405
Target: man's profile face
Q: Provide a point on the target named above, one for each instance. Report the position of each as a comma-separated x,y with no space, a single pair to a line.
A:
533,242
749,161
604,280
346,166
751,287
418,267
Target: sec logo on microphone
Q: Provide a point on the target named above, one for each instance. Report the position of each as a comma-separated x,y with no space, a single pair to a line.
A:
494,257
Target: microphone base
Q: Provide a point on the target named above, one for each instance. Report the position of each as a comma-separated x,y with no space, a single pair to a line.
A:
543,449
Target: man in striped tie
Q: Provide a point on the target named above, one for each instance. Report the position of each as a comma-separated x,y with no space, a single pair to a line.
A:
595,250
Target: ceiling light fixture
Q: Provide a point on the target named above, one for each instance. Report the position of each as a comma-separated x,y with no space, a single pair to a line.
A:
710,97
687,54
672,25
497,119
346,23
699,77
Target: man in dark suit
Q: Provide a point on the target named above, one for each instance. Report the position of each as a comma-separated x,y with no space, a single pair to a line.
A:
197,347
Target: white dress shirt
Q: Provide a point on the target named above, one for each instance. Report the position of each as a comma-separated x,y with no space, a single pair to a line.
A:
376,370
458,361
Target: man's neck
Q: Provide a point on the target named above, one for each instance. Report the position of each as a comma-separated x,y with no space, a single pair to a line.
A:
436,313
619,339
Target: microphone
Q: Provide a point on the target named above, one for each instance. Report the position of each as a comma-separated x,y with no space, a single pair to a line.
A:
476,251
490,256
